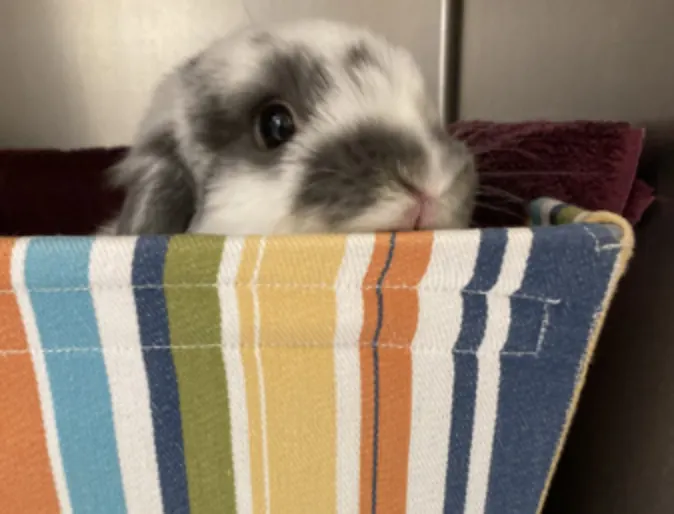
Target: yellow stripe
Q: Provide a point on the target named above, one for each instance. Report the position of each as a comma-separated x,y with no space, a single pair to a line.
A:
247,334
297,326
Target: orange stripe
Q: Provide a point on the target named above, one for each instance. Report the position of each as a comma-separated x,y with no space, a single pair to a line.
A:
26,481
401,307
370,314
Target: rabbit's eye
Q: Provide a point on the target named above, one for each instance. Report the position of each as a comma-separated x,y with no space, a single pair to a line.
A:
274,125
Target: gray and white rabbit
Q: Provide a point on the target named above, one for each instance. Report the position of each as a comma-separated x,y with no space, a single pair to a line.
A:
312,126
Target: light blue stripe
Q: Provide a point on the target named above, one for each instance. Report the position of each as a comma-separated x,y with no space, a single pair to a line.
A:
57,273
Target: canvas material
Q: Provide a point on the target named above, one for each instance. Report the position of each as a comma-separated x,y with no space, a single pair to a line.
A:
409,372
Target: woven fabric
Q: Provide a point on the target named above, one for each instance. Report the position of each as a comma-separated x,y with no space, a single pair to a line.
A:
550,211
389,373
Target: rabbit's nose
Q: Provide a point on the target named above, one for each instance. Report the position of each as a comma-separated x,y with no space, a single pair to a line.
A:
419,216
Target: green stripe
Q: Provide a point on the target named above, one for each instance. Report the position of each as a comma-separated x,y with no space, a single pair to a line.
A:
194,320
568,214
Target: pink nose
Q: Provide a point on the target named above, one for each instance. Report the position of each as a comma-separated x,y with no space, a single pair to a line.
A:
420,215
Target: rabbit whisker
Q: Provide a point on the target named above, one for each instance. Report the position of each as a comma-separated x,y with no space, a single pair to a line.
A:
498,209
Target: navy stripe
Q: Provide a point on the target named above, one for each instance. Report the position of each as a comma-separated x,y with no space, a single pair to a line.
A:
487,269
536,389
527,321
375,363
463,413
148,270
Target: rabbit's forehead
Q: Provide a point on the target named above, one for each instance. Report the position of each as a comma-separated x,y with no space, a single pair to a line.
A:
338,78
332,55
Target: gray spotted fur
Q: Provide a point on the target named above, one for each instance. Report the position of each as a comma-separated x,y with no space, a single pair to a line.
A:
199,129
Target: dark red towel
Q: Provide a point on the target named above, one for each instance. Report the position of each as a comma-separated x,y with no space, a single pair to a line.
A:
590,164
52,192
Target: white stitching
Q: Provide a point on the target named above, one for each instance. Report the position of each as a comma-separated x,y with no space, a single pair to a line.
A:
464,352
362,344
197,347
229,347
545,323
598,247
157,287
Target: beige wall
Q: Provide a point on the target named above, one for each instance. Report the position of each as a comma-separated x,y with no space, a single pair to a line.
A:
562,59
79,72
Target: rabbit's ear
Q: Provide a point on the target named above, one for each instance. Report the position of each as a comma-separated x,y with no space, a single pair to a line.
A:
160,189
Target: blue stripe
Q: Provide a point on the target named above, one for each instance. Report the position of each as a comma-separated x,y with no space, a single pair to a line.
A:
536,389
375,363
463,413
57,272
486,273
148,270
526,324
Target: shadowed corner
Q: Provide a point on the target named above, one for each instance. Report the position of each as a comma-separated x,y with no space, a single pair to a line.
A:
40,105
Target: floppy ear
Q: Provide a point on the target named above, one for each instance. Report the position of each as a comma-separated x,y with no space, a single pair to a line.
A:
160,188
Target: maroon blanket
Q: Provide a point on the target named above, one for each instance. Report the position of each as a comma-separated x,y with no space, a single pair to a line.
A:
51,192
590,164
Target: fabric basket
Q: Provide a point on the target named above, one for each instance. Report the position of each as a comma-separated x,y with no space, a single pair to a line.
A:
388,373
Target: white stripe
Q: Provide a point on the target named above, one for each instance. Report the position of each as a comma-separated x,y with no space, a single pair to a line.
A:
236,382
40,366
489,367
349,323
111,265
260,375
440,314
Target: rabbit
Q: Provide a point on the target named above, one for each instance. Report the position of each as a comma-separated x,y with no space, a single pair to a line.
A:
308,126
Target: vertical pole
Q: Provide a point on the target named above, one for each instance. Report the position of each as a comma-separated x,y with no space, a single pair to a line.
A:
450,59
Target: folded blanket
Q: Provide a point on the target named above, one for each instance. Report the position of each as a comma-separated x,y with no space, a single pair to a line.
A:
591,164
587,163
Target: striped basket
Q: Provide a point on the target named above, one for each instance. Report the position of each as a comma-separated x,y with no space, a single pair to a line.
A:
413,372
